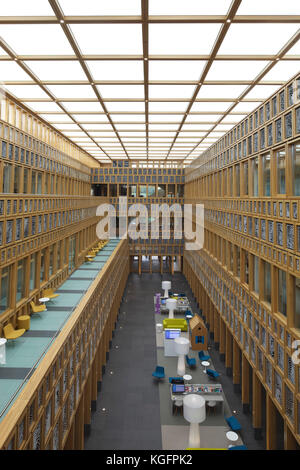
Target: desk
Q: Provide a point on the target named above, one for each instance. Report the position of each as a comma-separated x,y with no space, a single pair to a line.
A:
183,304
210,392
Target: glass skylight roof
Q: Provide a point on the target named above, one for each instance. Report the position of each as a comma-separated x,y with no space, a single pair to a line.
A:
116,69
103,7
145,79
26,91
182,38
109,38
188,7
26,8
36,39
121,91
235,70
56,69
175,69
269,7
247,38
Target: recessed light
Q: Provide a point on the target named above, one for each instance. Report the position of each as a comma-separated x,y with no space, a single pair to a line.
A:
103,409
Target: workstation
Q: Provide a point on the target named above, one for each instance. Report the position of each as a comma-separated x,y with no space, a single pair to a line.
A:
186,375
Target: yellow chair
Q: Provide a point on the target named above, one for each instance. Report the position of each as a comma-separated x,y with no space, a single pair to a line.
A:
11,333
50,293
37,308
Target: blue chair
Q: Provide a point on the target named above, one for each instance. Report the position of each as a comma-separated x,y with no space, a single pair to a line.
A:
233,423
238,448
159,372
191,361
203,357
212,373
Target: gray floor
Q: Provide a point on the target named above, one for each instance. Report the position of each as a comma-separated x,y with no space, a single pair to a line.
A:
128,406
129,395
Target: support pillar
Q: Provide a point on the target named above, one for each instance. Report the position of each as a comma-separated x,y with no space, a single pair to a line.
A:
245,385
257,406
270,424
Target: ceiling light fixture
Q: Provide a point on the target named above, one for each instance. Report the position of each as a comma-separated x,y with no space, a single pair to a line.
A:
62,21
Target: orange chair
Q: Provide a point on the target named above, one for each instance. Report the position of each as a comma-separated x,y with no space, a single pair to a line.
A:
37,308
11,333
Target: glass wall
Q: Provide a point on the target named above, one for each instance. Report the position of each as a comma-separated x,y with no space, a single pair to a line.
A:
32,272
282,291
132,191
20,280
297,303
255,177
4,288
267,282
266,174
51,260
72,243
42,269
296,169
256,274
7,174
280,162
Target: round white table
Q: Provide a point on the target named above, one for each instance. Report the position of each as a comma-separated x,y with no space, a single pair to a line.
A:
205,364
232,436
3,342
42,300
187,377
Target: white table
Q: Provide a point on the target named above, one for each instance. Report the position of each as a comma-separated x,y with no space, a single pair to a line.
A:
42,300
187,377
205,364
3,342
232,436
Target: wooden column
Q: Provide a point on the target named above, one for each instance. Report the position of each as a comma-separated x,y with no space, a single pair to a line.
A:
236,372
69,444
290,442
87,404
79,426
228,352
222,340
270,425
245,385
257,406
94,388
216,329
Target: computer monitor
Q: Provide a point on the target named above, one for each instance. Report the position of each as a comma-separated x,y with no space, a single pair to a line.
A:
178,388
172,334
